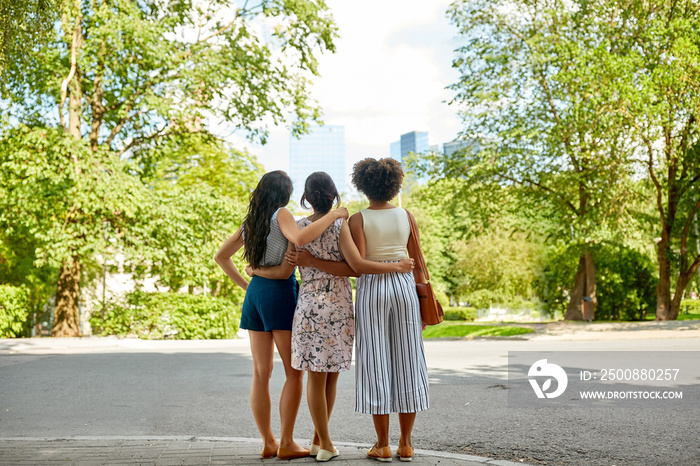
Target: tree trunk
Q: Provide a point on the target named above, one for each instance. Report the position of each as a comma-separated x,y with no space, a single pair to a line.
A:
663,290
584,287
66,315
675,308
574,311
591,300
66,321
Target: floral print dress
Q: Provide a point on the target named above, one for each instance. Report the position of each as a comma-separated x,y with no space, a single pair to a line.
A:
324,328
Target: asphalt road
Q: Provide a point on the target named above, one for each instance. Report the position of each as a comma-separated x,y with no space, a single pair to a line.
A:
98,387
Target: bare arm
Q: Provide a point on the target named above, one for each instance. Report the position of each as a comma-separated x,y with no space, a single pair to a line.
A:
304,258
223,258
274,272
357,224
362,265
291,230
413,252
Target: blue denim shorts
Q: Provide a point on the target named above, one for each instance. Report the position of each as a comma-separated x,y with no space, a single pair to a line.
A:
269,304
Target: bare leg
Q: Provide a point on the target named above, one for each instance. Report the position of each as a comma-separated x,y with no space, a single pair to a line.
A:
261,347
381,425
406,421
318,407
291,392
331,390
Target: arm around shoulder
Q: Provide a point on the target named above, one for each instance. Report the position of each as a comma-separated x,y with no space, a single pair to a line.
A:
361,265
291,230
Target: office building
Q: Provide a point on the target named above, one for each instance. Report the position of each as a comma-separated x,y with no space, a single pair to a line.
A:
414,142
322,149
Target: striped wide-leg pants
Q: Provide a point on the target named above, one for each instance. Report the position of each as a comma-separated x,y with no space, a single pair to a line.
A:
390,370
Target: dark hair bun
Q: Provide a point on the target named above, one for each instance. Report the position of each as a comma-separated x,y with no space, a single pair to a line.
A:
320,192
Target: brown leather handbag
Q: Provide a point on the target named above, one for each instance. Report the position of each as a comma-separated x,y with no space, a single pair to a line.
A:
430,308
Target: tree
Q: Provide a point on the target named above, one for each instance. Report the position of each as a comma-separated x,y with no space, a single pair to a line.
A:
123,75
540,122
23,23
661,102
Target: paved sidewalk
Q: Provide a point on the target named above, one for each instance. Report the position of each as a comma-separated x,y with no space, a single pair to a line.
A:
171,451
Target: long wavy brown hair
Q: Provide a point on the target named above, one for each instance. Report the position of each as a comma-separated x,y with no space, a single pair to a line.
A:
272,192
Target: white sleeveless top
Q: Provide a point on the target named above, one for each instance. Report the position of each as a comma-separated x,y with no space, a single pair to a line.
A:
386,234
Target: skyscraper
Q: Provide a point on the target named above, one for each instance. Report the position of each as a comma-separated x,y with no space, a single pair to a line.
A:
415,141
322,149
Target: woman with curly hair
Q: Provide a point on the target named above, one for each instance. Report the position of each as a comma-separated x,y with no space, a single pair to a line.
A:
268,307
390,368
323,328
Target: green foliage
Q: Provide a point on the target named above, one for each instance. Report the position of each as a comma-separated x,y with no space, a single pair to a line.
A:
536,118
625,279
457,330
460,313
134,85
14,309
692,307
23,24
496,266
177,316
161,68
64,198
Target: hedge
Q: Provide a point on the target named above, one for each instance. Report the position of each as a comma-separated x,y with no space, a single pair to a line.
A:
460,313
156,316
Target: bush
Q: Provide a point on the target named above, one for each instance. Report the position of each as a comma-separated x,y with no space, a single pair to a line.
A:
625,281
460,313
693,306
482,299
442,298
14,309
157,316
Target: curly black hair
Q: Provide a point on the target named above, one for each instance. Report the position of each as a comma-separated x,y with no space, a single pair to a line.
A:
379,180
320,192
272,192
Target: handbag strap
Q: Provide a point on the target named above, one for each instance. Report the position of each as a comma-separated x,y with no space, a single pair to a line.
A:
419,253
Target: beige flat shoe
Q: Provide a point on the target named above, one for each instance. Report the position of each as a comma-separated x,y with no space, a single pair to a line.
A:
325,455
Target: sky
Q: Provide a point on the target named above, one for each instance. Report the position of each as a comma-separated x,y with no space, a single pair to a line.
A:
387,77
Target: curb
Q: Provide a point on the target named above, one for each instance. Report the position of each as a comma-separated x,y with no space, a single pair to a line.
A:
249,441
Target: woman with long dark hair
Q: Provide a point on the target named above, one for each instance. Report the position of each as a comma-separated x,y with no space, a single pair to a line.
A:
323,328
268,307
391,372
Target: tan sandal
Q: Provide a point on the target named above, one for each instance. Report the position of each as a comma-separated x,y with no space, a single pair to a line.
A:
405,453
380,454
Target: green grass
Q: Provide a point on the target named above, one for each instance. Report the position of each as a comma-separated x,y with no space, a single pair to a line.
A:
681,316
460,329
